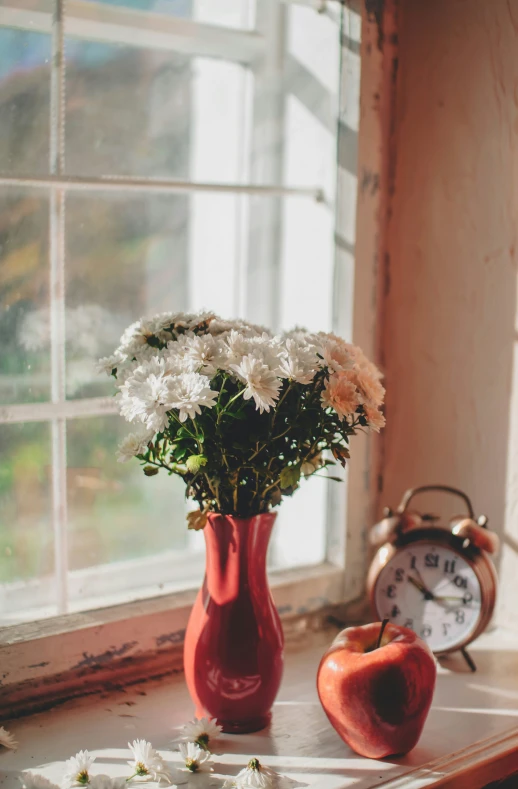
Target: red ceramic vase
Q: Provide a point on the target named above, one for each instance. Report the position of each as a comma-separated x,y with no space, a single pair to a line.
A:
233,653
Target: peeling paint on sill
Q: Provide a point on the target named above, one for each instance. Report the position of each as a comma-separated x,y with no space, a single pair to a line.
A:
98,661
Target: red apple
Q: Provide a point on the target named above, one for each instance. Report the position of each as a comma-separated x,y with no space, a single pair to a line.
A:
377,694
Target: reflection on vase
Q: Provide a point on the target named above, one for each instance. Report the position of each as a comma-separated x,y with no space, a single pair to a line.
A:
234,642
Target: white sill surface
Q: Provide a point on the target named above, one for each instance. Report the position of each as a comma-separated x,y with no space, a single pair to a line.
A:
473,722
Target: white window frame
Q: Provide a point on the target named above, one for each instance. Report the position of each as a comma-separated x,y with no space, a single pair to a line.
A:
161,621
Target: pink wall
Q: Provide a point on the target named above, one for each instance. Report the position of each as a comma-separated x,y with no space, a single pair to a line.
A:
450,324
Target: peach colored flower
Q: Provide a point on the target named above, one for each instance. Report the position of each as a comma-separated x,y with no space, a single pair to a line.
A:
361,362
340,394
375,418
371,387
336,353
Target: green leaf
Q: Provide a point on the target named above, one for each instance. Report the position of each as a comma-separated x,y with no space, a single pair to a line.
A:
290,476
195,462
150,471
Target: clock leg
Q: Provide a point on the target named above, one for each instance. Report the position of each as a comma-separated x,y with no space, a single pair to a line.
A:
469,660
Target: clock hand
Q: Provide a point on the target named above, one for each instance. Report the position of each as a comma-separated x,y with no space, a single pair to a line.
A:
420,577
422,588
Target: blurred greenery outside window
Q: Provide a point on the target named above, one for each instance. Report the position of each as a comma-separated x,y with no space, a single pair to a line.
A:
238,92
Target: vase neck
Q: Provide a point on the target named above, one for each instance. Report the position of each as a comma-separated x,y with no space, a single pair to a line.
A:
236,553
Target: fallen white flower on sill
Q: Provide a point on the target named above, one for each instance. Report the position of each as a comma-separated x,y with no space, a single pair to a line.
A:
7,740
202,732
77,768
34,781
254,776
147,762
195,757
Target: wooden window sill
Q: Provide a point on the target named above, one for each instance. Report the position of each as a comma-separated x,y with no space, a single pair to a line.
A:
470,738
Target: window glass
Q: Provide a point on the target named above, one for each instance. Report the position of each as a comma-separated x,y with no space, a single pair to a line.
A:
24,296
27,588
147,94
225,13
24,101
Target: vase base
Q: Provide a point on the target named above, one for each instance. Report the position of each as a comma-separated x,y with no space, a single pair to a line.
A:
245,727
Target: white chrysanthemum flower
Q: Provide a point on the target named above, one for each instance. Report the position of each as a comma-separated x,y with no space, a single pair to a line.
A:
192,320
261,383
134,444
199,353
201,731
269,349
109,363
195,757
238,344
7,740
132,339
30,780
187,392
158,326
299,362
147,762
144,395
77,770
340,394
254,776
235,346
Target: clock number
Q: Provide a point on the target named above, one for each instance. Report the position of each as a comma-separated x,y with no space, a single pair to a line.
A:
449,566
459,617
445,627
400,574
431,560
391,591
461,583
409,623
426,631
467,597
412,563
395,611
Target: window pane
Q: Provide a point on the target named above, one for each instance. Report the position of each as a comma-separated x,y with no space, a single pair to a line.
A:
139,112
130,255
26,540
228,13
24,102
152,112
24,296
127,532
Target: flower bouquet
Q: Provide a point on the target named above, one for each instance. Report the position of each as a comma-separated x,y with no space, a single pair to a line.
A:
242,415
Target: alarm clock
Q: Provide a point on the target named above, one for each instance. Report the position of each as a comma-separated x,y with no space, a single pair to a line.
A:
437,580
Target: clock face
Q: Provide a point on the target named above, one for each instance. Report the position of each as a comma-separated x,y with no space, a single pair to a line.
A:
432,590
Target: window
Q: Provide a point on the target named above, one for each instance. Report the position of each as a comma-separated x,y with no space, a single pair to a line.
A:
154,155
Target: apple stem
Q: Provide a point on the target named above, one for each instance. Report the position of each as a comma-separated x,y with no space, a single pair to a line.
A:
382,628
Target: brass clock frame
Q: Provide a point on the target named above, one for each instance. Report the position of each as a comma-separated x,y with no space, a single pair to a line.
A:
478,559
